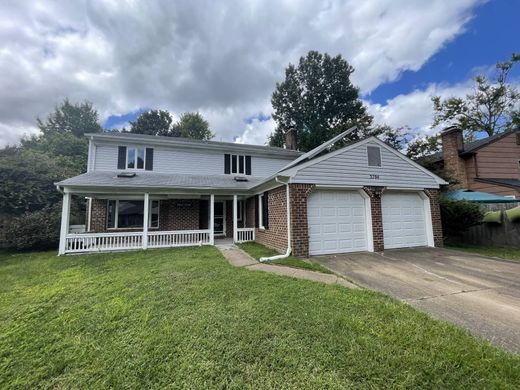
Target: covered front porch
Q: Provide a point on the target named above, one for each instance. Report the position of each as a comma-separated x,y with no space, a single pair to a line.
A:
126,221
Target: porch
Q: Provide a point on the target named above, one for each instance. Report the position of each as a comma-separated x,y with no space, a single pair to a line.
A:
122,222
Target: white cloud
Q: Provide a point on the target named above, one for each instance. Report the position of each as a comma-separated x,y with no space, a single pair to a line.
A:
222,59
416,108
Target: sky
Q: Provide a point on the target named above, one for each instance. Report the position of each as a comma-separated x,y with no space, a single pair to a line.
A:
223,59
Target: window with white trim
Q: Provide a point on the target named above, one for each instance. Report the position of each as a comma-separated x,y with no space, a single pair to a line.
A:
238,164
135,158
261,211
129,214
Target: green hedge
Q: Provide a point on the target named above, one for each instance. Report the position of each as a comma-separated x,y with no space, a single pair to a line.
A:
458,216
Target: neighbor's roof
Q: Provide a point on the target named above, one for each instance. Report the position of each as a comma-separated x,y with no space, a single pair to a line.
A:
193,143
470,147
513,183
157,180
478,197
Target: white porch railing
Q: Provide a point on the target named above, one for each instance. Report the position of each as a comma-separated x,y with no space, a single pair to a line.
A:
245,234
100,242
178,238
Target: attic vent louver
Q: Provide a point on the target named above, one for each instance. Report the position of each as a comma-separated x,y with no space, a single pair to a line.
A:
126,174
241,178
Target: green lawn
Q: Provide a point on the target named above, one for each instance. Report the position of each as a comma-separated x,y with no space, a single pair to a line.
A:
185,318
507,253
257,250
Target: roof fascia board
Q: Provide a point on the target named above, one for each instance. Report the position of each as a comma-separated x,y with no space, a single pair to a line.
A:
251,149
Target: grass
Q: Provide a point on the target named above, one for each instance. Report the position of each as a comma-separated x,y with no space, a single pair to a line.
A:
507,253
184,318
257,250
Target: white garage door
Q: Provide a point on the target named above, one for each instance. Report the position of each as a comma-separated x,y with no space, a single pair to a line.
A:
404,223
336,221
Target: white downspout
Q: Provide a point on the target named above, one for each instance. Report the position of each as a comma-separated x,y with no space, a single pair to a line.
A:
289,249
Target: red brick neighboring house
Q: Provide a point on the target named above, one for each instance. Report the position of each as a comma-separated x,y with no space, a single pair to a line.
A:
489,165
154,192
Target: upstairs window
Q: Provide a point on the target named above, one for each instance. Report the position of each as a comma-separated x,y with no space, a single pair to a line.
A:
237,164
374,156
135,158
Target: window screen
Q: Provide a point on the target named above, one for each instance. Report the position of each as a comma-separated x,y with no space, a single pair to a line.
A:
374,156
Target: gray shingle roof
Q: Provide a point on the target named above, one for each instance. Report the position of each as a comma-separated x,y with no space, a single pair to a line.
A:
158,180
513,183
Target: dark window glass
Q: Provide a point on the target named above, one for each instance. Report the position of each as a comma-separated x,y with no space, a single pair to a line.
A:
131,158
154,214
241,164
111,214
130,214
234,163
140,158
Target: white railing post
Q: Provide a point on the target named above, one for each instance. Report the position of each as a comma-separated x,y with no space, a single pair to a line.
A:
212,219
145,221
65,217
235,219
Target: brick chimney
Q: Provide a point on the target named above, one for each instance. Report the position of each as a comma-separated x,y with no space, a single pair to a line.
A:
290,139
454,165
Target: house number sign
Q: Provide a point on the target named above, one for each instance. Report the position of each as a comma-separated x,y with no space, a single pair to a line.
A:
182,204
374,177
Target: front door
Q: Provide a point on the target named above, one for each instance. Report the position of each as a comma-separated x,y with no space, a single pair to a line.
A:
220,219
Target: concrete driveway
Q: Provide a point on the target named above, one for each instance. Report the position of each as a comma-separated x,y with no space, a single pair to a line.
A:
478,293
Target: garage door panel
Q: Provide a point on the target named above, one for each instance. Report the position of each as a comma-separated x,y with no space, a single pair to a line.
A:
404,223
336,222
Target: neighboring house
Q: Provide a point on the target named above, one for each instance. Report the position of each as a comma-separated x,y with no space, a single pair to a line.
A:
489,165
150,192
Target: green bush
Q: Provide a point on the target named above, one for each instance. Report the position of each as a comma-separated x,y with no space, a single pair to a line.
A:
493,217
513,214
458,216
38,230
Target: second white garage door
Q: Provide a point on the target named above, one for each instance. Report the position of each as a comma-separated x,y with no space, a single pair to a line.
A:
404,223
337,222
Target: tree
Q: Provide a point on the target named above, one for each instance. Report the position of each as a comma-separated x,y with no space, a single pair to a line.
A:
73,118
397,138
421,147
318,99
153,122
192,125
491,107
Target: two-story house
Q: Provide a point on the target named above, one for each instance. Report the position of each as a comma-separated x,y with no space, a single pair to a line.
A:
151,192
490,164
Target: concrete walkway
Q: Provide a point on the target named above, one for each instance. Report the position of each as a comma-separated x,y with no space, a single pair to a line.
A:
238,258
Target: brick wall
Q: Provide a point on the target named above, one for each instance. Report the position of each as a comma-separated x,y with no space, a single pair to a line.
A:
299,194
98,223
434,195
455,167
375,194
276,235
172,217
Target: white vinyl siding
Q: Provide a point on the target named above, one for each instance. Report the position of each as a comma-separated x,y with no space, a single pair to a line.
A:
404,220
337,222
351,168
199,162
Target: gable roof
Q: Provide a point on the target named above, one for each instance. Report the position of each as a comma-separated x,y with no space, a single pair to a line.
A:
193,143
291,171
512,183
470,147
318,149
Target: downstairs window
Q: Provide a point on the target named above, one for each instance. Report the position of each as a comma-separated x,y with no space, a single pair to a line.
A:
129,214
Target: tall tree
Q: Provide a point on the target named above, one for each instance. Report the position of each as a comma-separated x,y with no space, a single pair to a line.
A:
192,125
73,118
491,107
153,122
318,99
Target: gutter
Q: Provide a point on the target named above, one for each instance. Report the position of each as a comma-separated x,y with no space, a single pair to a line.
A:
289,249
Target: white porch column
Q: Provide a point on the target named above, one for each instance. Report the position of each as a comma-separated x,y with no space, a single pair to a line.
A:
235,220
65,217
212,219
146,217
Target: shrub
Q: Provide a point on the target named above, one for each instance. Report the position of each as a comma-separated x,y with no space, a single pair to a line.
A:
38,230
458,216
